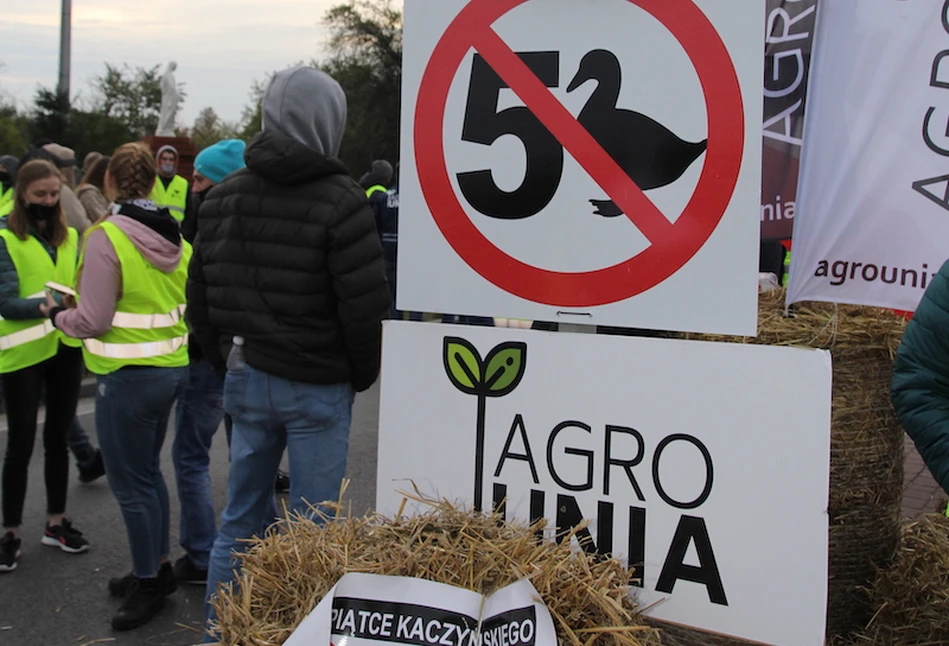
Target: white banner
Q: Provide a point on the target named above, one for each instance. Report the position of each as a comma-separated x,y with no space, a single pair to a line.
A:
872,222
688,461
374,610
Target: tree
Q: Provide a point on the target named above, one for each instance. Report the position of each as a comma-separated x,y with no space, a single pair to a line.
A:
131,96
209,128
366,59
253,115
51,115
14,129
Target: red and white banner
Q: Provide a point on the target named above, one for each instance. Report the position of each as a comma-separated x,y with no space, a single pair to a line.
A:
872,223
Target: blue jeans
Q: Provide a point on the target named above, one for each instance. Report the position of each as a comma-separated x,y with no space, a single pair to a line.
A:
269,414
133,405
199,413
78,442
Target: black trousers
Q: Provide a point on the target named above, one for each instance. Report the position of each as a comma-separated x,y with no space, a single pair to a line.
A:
60,376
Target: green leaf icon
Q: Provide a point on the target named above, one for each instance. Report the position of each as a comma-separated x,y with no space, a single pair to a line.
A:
463,365
505,368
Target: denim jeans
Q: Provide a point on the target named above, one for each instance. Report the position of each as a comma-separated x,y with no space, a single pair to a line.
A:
269,414
133,405
198,415
79,444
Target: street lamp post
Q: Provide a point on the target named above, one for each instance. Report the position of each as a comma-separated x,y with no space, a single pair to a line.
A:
65,47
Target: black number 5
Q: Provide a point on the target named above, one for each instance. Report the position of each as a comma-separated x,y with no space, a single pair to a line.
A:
484,125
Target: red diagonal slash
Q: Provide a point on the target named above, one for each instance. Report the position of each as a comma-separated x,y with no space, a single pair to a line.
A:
572,136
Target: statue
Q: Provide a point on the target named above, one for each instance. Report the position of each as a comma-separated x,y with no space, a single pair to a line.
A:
169,103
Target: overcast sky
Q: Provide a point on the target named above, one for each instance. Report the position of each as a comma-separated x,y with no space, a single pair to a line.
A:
220,46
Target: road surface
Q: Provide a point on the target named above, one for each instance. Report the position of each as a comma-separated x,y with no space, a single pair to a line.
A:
55,599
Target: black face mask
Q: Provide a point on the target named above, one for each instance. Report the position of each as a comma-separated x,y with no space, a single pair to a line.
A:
42,212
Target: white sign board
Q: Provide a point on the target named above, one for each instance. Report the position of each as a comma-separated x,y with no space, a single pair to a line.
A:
595,163
872,224
688,457
372,610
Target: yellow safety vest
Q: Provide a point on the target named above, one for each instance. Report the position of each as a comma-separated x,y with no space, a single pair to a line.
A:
6,202
787,269
375,189
25,343
149,327
174,198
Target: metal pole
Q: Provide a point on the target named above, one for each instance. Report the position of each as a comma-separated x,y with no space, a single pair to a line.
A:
65,46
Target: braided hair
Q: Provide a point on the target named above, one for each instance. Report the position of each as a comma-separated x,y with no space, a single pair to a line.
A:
131,172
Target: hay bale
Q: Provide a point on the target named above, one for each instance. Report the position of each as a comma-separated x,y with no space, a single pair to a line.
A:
866,466
289,571
911,597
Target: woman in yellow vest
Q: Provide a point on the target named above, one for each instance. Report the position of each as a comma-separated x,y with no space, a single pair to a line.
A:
36,247
130,317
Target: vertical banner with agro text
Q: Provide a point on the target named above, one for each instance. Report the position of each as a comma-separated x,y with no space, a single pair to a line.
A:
789,37
872,224
658,442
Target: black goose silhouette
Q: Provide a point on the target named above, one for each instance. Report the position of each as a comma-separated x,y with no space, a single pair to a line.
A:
651,154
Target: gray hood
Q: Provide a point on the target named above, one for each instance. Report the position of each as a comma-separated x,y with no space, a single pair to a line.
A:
308,106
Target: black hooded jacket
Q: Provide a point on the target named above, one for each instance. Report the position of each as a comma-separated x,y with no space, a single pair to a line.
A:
287,256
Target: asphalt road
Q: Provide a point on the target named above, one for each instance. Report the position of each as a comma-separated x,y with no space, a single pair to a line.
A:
55,599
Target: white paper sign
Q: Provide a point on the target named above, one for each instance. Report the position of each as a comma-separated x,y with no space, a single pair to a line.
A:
373,610
583,162
707,464
872,225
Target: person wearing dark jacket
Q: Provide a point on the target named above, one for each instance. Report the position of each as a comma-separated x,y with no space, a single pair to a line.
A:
200,408
920,391
288,279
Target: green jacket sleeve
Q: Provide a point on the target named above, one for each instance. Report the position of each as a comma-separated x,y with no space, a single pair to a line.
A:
920,390
13,307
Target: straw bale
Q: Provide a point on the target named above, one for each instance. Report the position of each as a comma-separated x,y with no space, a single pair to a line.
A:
285,574
911,597
866,472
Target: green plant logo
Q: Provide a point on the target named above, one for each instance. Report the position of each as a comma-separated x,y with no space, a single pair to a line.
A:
496,375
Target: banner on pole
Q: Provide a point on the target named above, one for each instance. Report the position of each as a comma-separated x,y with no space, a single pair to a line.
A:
789,37
873,209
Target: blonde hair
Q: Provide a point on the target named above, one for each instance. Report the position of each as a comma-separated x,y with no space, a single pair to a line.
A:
132,172
19,219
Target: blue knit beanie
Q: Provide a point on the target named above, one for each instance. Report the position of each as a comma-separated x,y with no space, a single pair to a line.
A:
220,160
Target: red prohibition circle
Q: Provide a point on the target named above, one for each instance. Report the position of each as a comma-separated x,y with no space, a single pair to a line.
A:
702,214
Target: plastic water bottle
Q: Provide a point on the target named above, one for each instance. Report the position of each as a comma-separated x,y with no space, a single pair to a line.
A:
235,358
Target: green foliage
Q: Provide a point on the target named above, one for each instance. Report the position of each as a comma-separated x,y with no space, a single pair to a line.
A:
51,115
366,59
131,96
14,132
209,129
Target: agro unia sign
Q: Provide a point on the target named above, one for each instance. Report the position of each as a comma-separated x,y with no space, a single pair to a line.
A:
658,443
872,224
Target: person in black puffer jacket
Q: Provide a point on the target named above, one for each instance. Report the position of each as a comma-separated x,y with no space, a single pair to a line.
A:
288,260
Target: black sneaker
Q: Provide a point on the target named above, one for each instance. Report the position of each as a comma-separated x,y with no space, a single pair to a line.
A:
188,573
282,482
119,587
92,472
144,599
9,552
65,537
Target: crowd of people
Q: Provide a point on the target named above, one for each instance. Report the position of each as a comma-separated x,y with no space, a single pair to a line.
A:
251,296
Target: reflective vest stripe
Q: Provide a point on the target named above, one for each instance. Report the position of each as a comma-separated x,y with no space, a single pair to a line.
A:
135,350
26,336
148,321
375,189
